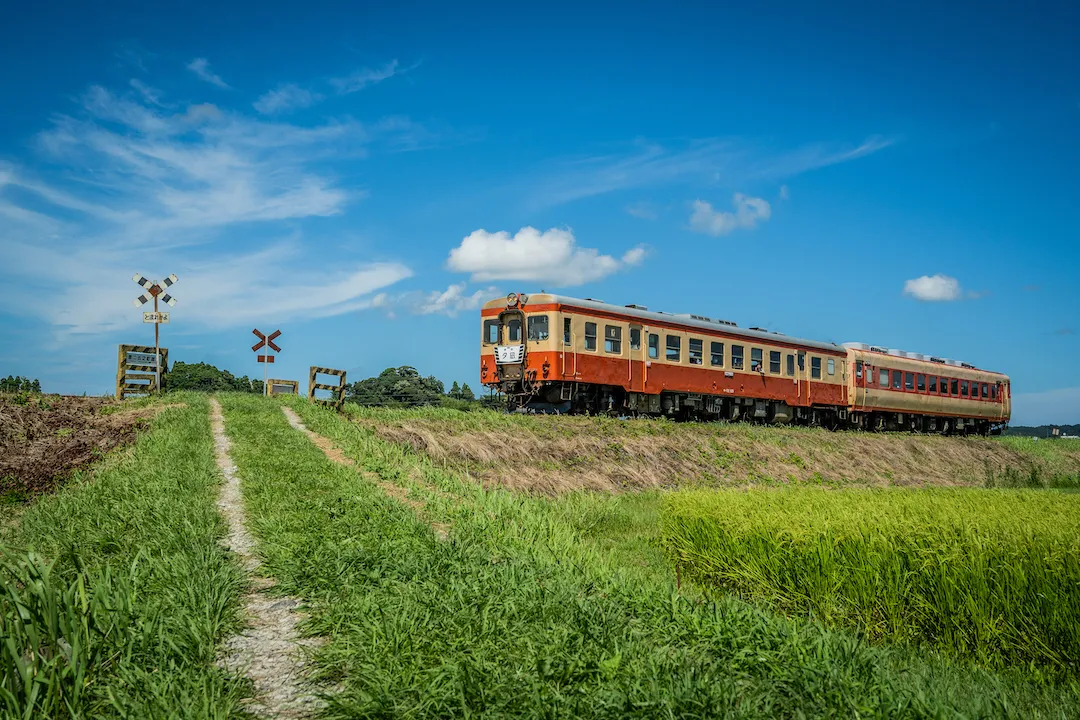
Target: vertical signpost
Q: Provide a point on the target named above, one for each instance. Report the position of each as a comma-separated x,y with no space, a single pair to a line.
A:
268,341
155,290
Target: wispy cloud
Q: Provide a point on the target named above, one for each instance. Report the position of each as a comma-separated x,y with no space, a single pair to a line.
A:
933,288
711,161
149,95
136,186
748,211
552,257
643,210
286,98
201,68
451,302
365,77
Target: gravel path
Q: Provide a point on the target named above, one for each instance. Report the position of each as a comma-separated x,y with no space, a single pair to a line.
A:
269,651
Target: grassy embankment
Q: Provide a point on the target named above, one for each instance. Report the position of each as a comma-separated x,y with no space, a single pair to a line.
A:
556,454
993,575
518,614
114,591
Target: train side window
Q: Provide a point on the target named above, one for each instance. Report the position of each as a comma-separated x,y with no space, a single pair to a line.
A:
654,346
815,368
538,328
933,384
697,351
858,369
955,387
491,332
613,339
920,381
993,392
963,388
909,381
883,378
774,362
974,391
514,326
673,348
590,336
566,331
897,380
716,354
737,357
831,366
755,360
635,338
985,390
791,365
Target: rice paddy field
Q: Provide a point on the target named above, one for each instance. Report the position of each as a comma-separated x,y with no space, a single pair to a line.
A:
786,574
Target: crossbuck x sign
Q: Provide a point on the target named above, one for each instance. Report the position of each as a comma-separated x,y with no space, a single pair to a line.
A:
154,290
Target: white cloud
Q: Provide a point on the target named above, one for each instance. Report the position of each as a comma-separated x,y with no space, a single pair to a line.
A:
936,288
149,94
634,256
286,98
366,76
201,68
748,211
550,257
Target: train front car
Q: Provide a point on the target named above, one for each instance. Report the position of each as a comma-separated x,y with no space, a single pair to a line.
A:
519,351
897,390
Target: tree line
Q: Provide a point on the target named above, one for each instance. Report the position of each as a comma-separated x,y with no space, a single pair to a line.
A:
19,384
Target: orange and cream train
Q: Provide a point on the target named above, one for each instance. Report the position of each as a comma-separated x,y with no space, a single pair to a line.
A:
560,354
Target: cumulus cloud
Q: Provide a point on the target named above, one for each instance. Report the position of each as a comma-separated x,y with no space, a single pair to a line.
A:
748,211
933,288
551,257
201,68
285,98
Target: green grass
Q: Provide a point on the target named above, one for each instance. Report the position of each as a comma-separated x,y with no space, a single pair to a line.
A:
530,608
114,592
992,575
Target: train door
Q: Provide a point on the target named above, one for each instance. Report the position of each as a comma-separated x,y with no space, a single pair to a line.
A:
637,359
510,352
802,377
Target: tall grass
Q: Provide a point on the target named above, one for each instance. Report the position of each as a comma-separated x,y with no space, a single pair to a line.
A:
516,615
988,574
114,591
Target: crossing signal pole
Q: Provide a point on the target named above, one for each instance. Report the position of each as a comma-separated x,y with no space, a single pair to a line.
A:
268,341
155,290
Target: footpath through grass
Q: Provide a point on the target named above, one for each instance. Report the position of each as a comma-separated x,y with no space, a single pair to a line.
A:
992,575
114,591
516,615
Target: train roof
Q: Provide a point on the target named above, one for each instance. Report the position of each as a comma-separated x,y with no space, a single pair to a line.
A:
698,321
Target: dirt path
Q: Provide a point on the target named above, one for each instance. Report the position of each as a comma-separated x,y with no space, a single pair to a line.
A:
395,491
269,651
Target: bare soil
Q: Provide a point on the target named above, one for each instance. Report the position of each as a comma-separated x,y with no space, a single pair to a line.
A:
555,454
44,438
269,650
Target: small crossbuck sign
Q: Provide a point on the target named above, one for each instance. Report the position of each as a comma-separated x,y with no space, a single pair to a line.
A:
153,290
265,340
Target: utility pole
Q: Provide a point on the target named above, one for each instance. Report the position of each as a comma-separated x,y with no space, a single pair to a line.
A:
155,291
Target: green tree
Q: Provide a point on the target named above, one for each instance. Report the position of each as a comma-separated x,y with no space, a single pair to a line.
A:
203,377
467,393
455,391
401,386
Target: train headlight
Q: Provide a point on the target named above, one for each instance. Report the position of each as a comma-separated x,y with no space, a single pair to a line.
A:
524,298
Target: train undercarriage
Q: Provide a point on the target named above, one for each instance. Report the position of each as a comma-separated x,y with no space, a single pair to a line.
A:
589,399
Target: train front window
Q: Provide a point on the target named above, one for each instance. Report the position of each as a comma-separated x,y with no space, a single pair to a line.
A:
674,348
832,366
566,331
790,365
538,328
993,392
514,330
697,352
491,332
858,369
654,346
635,338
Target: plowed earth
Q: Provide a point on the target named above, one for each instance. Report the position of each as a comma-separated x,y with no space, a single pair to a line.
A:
44,439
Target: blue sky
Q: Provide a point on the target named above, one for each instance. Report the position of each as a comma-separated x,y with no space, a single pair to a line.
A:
362,176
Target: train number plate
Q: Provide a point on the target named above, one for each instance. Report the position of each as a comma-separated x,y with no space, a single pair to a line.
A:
509,354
